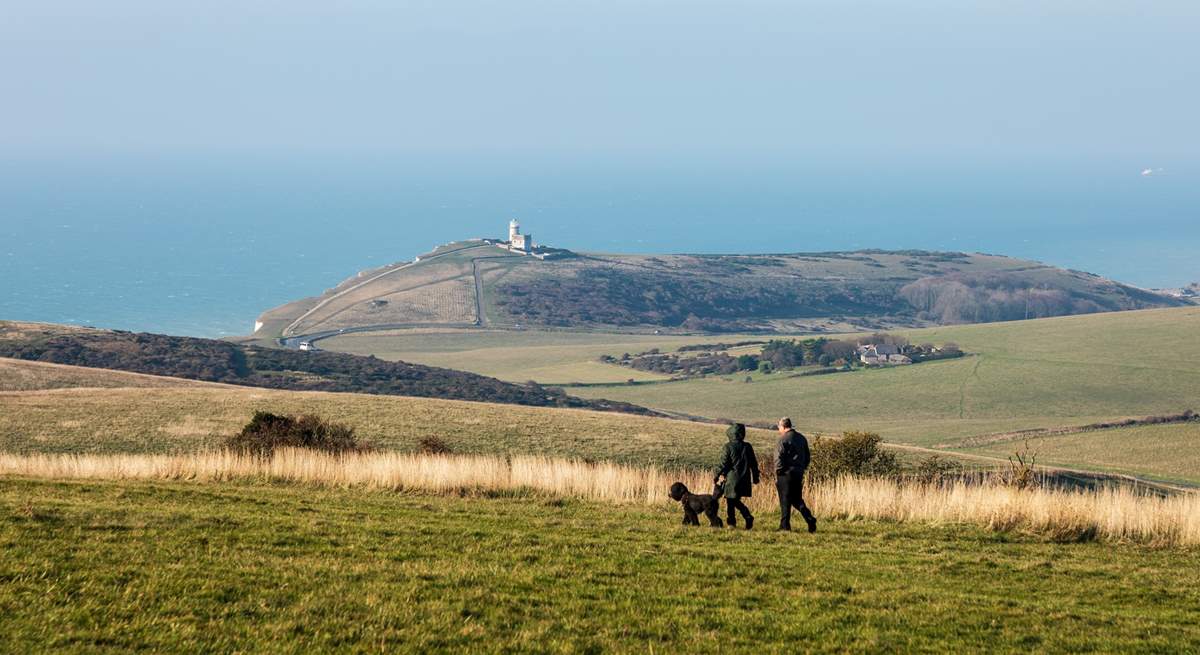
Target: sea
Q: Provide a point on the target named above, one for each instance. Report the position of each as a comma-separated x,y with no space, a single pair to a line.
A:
201,244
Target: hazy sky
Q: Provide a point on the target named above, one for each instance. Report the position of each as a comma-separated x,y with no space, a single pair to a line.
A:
904,78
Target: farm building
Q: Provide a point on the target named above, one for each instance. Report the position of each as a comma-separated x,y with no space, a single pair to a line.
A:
882,354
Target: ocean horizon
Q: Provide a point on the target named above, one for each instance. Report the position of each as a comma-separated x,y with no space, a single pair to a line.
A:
201,245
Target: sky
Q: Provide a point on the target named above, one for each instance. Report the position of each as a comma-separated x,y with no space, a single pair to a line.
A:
840,80
181,166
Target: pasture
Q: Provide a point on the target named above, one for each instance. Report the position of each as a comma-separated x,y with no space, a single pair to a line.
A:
516,356
192,416
1166,452
1049,372
241,566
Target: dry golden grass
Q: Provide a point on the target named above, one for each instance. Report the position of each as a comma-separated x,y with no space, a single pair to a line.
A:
19,375
169,420
1112,515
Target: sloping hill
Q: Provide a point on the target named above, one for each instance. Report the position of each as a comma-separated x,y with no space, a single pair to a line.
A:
1063,371
55,408
221,361
475,283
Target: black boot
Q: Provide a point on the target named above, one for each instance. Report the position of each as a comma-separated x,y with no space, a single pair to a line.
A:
811,521
749,522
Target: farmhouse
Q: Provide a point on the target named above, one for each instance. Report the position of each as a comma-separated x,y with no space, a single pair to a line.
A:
882,354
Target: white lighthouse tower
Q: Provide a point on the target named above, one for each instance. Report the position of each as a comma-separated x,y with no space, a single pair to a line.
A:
516,240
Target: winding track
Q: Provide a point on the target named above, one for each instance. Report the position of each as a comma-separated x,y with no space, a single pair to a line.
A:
289,339
287,334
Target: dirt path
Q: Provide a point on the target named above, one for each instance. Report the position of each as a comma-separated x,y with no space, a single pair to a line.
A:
288,332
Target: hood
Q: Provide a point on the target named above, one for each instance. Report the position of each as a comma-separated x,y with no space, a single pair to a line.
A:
736,432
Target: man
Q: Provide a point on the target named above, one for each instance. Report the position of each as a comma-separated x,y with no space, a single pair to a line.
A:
739,467
791,460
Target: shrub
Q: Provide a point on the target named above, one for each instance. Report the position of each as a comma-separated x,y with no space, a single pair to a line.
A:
433,446
266,432
855,453
1022,470
936,469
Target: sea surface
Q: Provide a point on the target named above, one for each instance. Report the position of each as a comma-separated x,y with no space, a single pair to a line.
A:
200,245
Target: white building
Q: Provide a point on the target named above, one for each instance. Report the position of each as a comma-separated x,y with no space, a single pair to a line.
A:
518,241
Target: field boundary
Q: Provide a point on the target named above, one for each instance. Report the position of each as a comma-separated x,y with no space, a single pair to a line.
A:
1187,416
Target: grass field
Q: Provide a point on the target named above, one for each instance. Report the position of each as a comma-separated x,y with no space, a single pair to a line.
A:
178,567
516,356
1029,374
1050,372
20,375
1170,452
172,419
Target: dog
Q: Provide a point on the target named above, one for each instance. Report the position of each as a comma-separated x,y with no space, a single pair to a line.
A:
695,504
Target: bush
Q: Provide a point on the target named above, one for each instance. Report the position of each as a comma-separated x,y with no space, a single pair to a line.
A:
433,446
936,469
266,432
855,453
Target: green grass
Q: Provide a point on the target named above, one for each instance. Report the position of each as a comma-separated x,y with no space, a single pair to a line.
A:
1051,372
176,567
1168,452
517,356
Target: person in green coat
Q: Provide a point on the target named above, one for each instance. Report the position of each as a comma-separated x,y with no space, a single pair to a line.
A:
739,467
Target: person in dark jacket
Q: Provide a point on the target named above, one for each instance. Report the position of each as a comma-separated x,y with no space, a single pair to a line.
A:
791,460
739,467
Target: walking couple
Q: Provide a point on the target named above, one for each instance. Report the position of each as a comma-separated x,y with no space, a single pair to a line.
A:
739,469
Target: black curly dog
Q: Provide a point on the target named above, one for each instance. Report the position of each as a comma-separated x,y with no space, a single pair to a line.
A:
694,504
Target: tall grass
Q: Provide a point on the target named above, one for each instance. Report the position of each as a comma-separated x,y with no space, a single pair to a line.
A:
1112,515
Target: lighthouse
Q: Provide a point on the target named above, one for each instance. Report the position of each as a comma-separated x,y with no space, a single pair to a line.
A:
516,240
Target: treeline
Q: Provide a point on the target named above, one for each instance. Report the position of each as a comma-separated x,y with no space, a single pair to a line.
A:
220,361
832,355
982,298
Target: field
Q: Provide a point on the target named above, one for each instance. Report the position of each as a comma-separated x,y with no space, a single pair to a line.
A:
305,556
1169,452
93,419
1029,374
516,356
179,567
1050,372
20,375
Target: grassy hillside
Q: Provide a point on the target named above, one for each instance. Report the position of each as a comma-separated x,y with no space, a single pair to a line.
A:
1170,452
475,283
175,567
1051,372
19,375
516,356
128,420
209,360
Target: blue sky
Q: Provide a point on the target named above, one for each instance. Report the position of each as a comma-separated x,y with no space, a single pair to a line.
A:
985,81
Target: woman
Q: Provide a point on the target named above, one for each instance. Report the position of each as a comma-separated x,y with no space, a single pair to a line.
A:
739,467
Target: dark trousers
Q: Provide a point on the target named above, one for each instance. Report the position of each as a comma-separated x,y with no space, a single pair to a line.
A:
791,494
732,504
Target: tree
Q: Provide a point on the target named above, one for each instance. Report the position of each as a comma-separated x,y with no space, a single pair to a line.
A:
783,353
747,362
839,349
